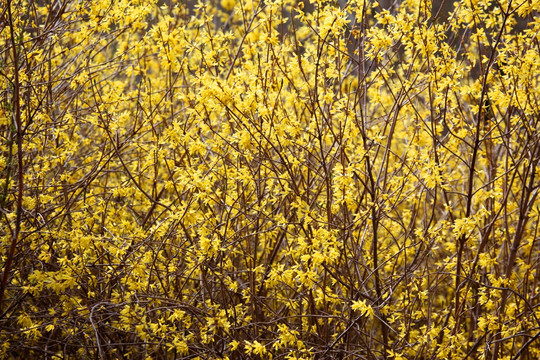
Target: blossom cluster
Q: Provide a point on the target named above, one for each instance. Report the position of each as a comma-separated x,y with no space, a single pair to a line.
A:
288,179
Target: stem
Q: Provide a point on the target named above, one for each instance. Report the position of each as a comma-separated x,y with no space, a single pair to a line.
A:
18,123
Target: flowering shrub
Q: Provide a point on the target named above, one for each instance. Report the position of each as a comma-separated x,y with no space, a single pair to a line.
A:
251,179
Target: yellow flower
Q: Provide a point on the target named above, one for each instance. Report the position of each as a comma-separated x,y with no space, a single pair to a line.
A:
228,4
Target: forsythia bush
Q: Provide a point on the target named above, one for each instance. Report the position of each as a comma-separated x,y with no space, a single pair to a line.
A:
286,179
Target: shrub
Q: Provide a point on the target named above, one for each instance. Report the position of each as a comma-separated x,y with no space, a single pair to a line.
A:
269,179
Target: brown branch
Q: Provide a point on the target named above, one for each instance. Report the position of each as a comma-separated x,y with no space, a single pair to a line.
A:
18,124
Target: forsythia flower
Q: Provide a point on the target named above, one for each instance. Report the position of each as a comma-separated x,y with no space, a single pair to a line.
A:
227,178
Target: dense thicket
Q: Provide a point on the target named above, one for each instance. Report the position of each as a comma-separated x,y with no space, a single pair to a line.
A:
269,179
